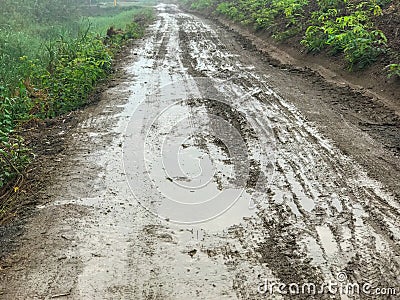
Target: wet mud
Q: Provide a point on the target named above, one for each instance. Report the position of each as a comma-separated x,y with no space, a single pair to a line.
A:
205,172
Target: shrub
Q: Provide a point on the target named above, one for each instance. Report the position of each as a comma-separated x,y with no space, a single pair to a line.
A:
49,65
351,34
394,70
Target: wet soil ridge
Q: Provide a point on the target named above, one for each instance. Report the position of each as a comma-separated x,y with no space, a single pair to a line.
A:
196,117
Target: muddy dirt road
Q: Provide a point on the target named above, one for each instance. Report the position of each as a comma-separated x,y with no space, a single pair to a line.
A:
208,173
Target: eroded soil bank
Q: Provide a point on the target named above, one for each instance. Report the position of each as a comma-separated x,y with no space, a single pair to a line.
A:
297,178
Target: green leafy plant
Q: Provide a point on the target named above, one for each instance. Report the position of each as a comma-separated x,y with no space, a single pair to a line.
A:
393,70
14,157
263,12
351,34
229,10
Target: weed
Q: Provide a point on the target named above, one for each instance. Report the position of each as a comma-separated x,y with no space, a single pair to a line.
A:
14,157
394,70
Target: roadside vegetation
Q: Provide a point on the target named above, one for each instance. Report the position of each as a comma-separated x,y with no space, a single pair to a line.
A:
52,54
346,28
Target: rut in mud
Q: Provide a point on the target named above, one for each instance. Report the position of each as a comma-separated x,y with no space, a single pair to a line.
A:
200,128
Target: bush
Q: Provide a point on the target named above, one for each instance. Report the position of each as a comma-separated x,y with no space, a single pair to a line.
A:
352,34
263,13
71,76
50,66
14,157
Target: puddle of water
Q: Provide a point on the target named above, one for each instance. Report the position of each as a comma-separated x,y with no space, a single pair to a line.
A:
192,176
293,206
188,177
327,240
314,251
358,213
335,201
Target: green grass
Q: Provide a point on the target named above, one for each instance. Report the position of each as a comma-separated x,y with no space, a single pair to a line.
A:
52,54
33,40
100,24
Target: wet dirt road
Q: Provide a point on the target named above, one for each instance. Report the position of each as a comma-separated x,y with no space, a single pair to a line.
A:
206,173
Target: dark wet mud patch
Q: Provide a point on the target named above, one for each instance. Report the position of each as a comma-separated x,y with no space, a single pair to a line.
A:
187,60
281,253
241,160
376,269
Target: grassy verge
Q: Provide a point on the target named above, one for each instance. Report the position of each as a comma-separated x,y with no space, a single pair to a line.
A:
343,28
50,67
